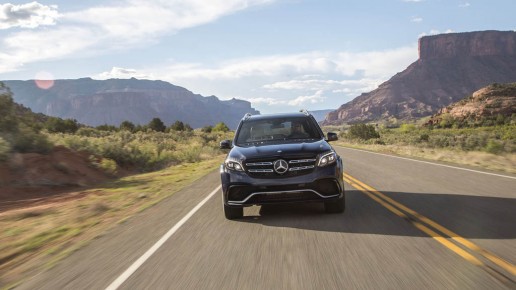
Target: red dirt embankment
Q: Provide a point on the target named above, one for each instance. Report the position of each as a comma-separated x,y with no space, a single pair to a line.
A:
32,179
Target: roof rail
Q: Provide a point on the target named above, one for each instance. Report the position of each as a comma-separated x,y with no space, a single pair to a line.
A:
305,112
247,116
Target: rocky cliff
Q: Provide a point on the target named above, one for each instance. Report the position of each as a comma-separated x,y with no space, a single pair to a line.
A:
97,102
487,103
450,67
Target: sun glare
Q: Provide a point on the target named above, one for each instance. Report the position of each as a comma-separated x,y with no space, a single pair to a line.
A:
44,80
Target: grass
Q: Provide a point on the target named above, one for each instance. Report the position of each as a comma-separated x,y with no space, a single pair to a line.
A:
488,147
33,240
502,162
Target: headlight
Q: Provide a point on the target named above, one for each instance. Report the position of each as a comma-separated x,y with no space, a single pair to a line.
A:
327,159
233,164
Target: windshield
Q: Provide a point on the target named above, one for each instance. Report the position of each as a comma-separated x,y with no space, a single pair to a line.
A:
274,130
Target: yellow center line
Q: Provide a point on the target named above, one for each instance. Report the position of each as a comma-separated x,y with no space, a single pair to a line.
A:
390,203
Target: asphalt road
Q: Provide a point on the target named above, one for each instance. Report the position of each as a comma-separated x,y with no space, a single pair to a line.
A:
407,225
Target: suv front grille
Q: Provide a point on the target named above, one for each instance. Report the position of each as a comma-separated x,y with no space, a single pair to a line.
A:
265,168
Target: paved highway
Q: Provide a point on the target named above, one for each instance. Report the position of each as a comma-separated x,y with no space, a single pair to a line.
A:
408,225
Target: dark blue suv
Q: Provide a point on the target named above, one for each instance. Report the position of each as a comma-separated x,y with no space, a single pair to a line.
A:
281,158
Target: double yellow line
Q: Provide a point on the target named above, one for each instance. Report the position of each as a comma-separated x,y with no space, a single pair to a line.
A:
425,224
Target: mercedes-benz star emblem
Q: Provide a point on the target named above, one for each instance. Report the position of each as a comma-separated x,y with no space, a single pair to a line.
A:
280,166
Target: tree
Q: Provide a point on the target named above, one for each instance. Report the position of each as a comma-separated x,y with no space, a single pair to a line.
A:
127,125
207,129
188,128
157,125
58,125
221,127
8,122
107,127
178,126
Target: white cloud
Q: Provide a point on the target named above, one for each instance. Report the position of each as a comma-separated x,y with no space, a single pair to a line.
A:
435,31
143,18
371,64
122,73
464,5
311,99
30,15
315,98
416,19
329,85
97,30
272,82
267,101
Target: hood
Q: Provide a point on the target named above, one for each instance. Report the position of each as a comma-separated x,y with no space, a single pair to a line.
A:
285,150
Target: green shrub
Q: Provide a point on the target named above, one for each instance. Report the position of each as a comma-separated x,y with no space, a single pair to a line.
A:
362,131
424,137
221,127
191,154
5,148
407,128
27,140
58,125
207,129
494,147
107,165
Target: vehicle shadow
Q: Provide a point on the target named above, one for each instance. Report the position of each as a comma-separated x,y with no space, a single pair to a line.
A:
468,216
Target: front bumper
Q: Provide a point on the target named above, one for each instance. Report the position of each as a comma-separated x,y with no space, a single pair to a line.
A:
322,184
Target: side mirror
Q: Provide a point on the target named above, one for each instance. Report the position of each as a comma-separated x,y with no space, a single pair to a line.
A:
332,137
225,144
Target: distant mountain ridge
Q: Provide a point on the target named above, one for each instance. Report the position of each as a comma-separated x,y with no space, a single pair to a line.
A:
320,115
98,102
450,67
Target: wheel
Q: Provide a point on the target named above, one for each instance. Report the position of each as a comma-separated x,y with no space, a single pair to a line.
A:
232,213
335,206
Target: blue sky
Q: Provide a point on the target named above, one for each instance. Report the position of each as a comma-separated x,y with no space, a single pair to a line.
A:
282,55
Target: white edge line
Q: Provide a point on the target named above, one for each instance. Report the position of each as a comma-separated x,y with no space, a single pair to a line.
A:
427,162
121,279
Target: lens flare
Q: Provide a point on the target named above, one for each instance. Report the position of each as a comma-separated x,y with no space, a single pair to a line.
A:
44,80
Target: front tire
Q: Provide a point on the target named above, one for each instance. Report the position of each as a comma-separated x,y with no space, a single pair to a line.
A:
232,213
335,206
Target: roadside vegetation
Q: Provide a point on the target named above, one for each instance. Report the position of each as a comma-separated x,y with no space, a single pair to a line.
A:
139,148
486,143
162,160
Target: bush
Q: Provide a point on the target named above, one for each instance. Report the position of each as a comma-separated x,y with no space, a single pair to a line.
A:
494,147
207,129
5,148
362,131
58,125
424,137
27,140
105,164
221,127
107,127
407,128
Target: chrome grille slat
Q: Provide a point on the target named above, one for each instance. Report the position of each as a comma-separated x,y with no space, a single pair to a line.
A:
258,163
261,170
301,168
301,161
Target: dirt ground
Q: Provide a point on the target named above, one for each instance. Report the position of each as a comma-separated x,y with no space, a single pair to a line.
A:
32,179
